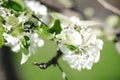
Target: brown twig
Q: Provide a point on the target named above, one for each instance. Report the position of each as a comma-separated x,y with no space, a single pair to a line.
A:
108,6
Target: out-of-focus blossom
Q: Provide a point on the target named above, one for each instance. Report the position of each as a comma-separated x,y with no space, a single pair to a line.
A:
35,42
12,41
36,7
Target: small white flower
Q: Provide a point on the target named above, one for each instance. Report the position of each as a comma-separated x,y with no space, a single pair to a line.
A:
35,42
5,12
2,12
36,7
22,18
12,41
7,26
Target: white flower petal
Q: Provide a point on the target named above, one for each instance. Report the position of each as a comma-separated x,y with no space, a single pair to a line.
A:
24,58
16,48
87,45
35,42
64,49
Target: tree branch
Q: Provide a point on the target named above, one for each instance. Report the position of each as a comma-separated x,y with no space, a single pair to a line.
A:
34,16
108,6
62,71
52,61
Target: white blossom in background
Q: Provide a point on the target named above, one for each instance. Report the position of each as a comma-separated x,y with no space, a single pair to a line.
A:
76,21
12,41
87,46
35,42
36,7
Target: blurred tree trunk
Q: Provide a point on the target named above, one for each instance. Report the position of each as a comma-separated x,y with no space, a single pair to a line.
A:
7,68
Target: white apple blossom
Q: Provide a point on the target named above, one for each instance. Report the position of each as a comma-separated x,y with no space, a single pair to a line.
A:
70,36
22,18
86,46
36,7
35,42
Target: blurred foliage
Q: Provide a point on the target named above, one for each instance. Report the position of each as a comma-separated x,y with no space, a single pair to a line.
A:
108,68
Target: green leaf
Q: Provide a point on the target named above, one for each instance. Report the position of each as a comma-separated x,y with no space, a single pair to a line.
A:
16,5
25,51
2,29
1,19
17,32
26,42
71,47
1,41
56,28
44,32
28,15
1,35
12,20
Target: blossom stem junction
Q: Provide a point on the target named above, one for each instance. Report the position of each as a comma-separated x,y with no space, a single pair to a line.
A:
53,61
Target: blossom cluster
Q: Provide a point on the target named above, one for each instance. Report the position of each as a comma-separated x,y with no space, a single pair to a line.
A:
25,31
15,36
81,48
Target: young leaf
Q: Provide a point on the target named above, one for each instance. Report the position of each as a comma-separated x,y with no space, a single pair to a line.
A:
1,35
1,19
12,20
1,29
56,28
26,42
44,32
28,15
14,5
71,47
1,41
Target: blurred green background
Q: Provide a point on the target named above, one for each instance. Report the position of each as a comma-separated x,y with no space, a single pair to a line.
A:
108,68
